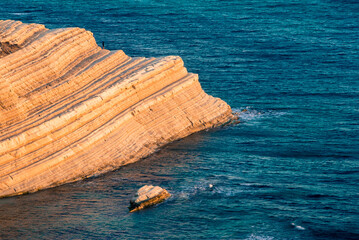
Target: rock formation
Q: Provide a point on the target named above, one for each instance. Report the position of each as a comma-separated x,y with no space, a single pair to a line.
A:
147,196
70,110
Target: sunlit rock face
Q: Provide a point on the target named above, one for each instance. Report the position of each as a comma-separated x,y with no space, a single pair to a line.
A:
147,196
70,109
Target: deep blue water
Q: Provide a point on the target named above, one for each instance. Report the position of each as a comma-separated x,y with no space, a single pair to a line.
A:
289,170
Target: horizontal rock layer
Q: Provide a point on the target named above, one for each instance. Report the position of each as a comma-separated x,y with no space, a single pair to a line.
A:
70,110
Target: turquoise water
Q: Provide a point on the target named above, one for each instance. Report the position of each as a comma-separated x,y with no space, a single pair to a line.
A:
289,170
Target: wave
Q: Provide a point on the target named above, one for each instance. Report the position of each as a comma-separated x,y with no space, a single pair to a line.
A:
207,188
256,237
223,188
256,185
300,228
20,13
248,114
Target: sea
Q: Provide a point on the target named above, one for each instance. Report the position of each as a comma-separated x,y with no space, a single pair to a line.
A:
288,170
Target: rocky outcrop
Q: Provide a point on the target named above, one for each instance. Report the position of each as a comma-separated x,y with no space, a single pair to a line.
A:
70,110
147,196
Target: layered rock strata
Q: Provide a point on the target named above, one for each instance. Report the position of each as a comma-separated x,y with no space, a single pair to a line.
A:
70,110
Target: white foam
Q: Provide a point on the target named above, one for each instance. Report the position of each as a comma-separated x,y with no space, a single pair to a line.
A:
298,227
248,114
208,187
20,13
256,237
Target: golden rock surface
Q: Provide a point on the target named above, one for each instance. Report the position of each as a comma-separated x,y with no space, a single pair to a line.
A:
70,110
147,196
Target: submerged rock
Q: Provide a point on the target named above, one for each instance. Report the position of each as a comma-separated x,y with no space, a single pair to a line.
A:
147,196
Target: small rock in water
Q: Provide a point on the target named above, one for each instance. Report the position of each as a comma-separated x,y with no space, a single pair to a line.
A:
148,195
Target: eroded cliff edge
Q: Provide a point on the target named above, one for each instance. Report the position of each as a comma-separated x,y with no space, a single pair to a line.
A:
70,110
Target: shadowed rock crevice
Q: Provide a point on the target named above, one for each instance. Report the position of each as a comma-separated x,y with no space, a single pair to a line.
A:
6,48
15,35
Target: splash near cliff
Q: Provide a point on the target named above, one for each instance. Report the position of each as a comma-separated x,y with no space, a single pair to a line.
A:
70,109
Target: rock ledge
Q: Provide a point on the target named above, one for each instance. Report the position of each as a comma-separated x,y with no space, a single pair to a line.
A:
70,110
